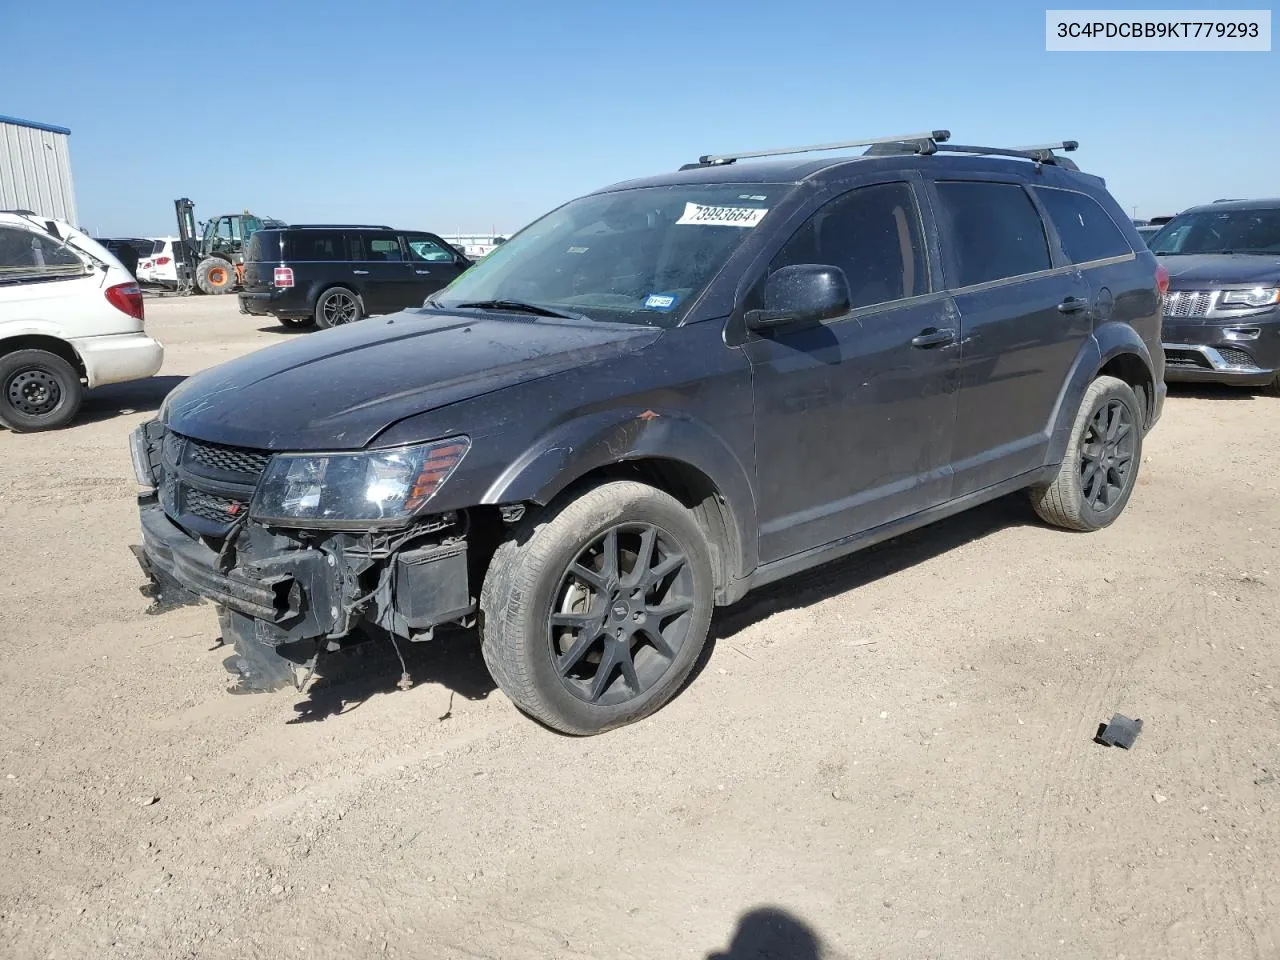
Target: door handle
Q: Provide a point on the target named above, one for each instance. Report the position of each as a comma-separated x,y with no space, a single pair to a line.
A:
422,273
933,337
362,273
1073,305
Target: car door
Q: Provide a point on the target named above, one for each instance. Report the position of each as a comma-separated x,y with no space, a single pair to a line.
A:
854,415
380,270
1023,317
433,263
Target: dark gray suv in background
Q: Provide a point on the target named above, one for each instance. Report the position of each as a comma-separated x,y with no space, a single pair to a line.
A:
656,398
1222,313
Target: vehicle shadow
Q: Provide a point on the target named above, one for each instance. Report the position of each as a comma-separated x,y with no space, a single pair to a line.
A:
117,399
280,328
1213,391
347,679
771,933
901,553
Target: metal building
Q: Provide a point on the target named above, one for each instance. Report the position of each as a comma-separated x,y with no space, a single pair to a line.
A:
35,169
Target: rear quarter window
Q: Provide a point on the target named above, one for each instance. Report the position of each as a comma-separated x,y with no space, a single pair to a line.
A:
314,245
28,255
993,232
1086,231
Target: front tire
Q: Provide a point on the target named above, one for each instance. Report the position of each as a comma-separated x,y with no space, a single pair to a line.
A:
215,275
1100,467
593,613
38,391
336,307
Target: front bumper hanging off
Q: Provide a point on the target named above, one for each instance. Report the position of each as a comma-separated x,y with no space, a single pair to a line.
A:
281,601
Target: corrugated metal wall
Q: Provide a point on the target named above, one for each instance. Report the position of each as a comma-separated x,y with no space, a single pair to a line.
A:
35,172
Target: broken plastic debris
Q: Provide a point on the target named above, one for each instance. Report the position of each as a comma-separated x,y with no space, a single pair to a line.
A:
1120,732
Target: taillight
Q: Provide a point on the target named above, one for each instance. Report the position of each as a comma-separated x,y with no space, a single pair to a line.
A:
163,261
127,298
284,277
1162,279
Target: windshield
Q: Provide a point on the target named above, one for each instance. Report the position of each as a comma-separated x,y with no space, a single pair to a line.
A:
634,256
1220,231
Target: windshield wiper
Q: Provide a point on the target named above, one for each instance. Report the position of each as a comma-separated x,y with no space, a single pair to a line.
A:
518,306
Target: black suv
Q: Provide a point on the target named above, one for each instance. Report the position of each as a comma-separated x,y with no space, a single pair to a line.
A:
1222,312
655,398
331,274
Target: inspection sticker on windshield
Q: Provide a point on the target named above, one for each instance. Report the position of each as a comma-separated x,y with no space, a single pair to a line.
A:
660,301
703,215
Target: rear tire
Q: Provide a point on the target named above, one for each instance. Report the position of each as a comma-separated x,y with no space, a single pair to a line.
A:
337,307
38,391
1098,471
215,275
593,613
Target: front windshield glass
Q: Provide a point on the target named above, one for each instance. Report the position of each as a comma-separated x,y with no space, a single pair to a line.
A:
1220,231
633,256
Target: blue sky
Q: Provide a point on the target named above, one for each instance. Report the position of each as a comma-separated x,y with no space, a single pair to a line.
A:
467,116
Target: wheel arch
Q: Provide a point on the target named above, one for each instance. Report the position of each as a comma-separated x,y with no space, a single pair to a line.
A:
50,344
1116,350
668,451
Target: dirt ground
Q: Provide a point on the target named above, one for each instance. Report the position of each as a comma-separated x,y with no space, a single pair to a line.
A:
890,757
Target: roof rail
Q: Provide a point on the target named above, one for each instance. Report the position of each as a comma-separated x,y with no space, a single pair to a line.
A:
334,226
22,213
923,143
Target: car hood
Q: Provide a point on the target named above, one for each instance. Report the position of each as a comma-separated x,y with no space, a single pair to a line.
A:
338,389
1196,271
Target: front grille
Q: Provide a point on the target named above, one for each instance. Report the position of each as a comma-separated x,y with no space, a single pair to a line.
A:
208,486
1188,303
210,506
1235,356
229,459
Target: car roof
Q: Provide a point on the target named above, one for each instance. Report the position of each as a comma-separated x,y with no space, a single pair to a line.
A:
799,171
1265,203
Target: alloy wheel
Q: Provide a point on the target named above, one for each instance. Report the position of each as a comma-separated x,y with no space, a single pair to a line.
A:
1106,455
621,614
339,308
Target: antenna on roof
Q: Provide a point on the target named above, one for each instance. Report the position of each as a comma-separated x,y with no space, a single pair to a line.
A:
922,143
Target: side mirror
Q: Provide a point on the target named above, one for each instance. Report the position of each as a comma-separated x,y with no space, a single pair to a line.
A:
801,293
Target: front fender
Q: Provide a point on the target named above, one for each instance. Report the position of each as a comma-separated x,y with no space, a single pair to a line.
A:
575,448
1109,341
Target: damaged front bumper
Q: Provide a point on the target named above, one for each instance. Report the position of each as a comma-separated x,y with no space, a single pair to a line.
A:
284,597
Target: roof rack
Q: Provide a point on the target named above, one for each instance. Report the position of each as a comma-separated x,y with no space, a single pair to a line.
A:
1042,153
922,143
335,226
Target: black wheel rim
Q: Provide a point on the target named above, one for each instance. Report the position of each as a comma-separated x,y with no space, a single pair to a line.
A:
1106,455
621,614
34,392
339,308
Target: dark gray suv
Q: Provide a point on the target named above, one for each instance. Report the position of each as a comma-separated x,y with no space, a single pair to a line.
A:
656,398
1222,312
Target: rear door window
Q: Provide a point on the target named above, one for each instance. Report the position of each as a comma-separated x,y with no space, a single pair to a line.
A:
992,230
381,248
315,246
28,255
1086,230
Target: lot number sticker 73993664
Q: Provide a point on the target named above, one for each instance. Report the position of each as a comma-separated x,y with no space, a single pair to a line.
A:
702,215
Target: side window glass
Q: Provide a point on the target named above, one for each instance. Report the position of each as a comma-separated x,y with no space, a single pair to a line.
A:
382,249
314,246
27,254
1085,229
426,250
873,234
993,231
